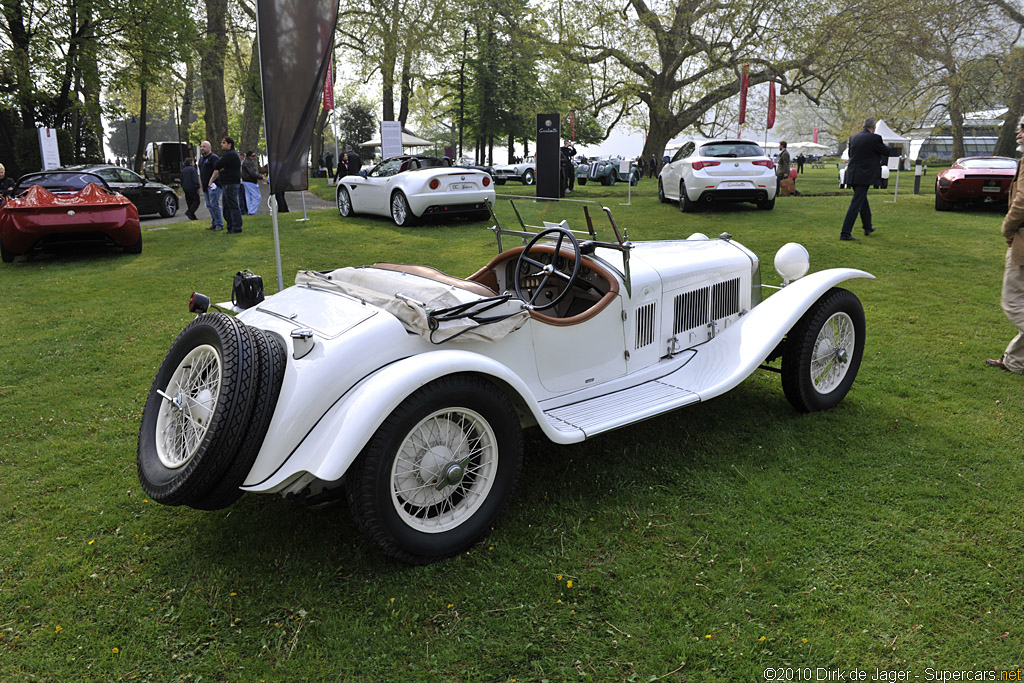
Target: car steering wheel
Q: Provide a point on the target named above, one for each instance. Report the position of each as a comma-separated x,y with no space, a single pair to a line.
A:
528,267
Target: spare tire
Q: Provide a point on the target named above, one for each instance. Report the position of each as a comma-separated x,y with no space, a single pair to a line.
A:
197,411
271,353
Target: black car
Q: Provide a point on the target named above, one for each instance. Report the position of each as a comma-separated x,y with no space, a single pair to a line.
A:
148,196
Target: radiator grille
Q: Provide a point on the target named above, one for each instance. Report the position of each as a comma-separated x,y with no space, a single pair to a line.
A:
701,306
645,325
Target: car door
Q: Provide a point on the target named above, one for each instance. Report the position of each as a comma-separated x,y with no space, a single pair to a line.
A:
673,171
145,196
373,195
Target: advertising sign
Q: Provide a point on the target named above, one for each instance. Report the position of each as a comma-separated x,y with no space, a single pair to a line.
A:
390,139
48,148
549,135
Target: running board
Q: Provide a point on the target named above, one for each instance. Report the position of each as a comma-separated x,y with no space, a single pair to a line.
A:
620,408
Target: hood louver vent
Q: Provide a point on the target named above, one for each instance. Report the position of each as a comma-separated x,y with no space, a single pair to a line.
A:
645,325
701,306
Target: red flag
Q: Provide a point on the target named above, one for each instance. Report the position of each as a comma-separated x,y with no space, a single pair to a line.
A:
329,88
815,136
744,84
771,105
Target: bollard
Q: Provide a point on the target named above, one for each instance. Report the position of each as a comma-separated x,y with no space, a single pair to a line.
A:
917,177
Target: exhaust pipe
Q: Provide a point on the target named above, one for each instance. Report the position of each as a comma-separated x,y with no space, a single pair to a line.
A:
708,198
761,196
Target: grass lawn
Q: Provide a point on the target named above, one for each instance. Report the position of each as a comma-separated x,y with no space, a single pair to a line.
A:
705,545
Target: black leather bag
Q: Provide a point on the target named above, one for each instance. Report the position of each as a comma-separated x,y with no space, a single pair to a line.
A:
247,290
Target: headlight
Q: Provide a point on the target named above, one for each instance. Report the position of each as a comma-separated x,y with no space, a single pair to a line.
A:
792,262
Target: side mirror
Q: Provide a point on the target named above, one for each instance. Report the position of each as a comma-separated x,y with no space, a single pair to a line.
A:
362,173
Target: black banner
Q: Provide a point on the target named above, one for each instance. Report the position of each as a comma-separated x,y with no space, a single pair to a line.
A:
549,139
295,38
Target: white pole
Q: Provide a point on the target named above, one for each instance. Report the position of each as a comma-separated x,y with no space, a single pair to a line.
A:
304,216
272,203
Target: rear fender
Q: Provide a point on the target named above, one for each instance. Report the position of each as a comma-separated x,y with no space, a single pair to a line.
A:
333,444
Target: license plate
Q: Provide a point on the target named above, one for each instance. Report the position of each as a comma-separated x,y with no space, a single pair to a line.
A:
461,186
991,186
733,185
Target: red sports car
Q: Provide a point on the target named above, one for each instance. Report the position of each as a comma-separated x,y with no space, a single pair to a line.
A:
974,180
66,207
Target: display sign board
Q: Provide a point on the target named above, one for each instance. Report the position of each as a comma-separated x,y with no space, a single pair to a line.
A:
624,167
547,158
48,148
390,139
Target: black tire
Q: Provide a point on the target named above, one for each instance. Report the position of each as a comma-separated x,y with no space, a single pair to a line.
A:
767,204
685,205
136,247
401,212
6,256
581,181
371,481
884,184
940,203
661,193
211,337
634,179
844,309
499,181
168,205
271,352
529,177
343,200
608,180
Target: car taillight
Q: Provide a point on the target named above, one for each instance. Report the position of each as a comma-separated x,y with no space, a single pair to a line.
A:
434,183
697,165
487,180
198,303
767,163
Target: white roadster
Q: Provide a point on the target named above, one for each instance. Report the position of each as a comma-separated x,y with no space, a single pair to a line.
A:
409,188
408,389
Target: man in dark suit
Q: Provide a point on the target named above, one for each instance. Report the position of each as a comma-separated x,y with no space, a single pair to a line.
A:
349,164
867,154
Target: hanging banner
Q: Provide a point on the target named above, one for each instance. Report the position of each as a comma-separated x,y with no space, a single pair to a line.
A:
48,148
295,39
771,105
390,139
815,136
329,88
744,84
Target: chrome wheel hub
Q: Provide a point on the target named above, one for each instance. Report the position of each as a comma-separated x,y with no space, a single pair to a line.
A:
830,358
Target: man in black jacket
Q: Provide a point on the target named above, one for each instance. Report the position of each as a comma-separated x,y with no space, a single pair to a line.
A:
228,173
190,186
867,154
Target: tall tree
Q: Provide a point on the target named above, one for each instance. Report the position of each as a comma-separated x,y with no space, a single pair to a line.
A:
211,67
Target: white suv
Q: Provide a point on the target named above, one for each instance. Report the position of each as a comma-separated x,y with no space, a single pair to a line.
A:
719,171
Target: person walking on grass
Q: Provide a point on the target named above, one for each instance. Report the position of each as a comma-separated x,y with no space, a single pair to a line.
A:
190,185
1012,298
867,152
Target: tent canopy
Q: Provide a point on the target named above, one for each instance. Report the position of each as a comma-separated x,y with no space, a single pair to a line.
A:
889,136
408,140
808,146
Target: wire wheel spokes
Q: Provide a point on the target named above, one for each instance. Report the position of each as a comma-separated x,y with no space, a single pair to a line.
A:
189,403
444,469
833,349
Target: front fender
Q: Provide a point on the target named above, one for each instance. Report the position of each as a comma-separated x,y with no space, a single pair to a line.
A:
735,353
333,444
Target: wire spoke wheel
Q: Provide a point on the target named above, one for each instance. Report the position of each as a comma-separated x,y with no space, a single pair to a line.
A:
830,358
823,352
444,470
190,400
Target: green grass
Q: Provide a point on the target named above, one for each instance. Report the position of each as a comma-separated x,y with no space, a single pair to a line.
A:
703,545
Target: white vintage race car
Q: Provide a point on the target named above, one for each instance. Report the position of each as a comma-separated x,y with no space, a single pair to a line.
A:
525,172
408,389
409,188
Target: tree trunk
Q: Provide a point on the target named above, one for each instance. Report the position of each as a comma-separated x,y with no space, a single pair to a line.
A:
317,146
140,148
405,90
14,14
186,100
511,147
91,88
212,51
252,113
1006,145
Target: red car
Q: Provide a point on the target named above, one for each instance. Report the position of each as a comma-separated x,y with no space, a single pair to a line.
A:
66,207
974,180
